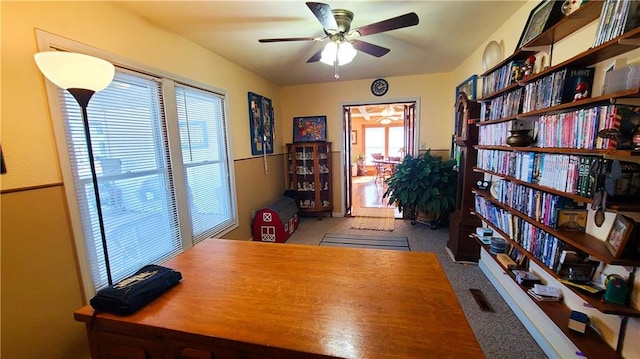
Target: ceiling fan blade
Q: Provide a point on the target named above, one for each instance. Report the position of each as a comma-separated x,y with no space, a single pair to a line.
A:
371,49
398,22
324,15
316,57
289,39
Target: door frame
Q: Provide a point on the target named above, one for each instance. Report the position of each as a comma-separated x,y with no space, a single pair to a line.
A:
345,180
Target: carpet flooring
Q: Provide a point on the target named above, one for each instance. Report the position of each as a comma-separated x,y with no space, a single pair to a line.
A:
374,218
499,332
390,242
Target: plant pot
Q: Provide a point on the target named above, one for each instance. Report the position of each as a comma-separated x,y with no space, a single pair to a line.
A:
362,168
426,217
519,138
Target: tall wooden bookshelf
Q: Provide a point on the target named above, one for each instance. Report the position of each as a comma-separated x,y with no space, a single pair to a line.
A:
548,321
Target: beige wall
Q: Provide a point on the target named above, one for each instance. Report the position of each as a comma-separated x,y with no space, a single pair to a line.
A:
436,105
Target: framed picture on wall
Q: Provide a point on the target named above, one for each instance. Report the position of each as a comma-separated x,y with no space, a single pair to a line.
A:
542,17
267,124
309,128
261,124
354,137
468,86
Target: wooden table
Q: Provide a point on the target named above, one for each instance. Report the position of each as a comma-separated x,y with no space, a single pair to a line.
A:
382,169
241,299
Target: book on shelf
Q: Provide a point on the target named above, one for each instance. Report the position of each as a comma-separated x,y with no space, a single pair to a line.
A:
616,18
484,234
505,260
545,293
577,84
483,239
542,298
547,290
525,277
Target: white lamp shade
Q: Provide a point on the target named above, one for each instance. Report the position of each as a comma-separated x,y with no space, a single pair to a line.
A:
72,70
345,51
329,53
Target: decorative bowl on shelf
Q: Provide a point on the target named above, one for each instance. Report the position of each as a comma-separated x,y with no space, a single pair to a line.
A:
519,138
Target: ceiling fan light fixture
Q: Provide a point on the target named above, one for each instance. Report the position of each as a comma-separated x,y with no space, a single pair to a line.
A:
344,50
385,121
388,111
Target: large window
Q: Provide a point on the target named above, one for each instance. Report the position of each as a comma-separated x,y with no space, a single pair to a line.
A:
165,178
204,155
387,140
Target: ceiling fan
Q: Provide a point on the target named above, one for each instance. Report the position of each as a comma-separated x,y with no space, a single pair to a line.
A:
343,43
384,115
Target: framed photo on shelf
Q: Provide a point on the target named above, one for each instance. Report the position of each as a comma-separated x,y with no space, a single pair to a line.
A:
354,137
468,87
542,17
310,128
571,220
517,256
619,235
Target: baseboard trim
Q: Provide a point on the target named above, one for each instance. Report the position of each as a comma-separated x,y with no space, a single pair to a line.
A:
453,258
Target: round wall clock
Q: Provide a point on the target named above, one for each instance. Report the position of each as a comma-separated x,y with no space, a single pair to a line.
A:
379,87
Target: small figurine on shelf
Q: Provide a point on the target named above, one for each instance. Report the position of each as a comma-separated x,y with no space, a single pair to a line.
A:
528,66
582,91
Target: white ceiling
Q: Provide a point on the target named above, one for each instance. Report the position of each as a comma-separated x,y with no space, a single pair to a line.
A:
448,32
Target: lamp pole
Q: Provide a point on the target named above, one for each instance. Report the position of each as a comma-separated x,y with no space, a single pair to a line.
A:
83,96
82,76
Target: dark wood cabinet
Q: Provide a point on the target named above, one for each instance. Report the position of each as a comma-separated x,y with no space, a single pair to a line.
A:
309,175
462,223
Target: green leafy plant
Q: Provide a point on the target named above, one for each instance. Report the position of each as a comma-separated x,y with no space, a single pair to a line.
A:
424,183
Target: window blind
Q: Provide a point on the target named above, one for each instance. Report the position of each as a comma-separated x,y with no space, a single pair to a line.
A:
204,151
129,140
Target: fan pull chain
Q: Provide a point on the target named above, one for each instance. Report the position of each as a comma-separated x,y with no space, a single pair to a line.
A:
336,74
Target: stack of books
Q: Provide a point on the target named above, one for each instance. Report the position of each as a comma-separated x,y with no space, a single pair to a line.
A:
525,277
484,234
544,293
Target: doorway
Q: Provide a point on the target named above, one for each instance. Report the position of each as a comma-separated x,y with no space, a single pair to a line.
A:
377,137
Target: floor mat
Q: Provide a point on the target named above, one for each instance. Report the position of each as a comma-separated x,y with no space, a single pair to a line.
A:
374,218
396,243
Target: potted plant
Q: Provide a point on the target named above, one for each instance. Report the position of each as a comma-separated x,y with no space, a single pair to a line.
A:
361,166
424,184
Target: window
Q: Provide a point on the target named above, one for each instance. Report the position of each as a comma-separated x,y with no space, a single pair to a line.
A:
200,119
388,140
157,198
396,141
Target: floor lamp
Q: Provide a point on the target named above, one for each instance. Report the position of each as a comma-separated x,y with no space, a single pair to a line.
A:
82,76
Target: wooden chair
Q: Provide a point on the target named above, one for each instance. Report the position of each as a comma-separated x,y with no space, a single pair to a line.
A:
397,160
381,168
